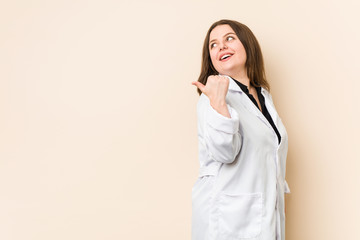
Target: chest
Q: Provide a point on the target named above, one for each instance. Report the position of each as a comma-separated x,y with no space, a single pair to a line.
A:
254,127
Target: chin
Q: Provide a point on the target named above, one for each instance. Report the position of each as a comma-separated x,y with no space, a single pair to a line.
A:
230,70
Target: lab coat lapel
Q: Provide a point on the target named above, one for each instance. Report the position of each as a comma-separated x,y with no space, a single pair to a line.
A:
274,115
270,107
248,104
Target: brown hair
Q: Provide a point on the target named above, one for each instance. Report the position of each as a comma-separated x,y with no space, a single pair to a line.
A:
254,60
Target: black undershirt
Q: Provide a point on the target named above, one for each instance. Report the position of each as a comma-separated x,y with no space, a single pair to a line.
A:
262,103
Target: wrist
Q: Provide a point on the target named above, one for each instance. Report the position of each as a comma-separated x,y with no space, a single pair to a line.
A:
218,102
220,107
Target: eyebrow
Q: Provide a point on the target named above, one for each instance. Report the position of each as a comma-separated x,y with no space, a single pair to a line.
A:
223,36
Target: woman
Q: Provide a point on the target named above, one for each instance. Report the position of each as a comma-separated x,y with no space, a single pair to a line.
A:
242,142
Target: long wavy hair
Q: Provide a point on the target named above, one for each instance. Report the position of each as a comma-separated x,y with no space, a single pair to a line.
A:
254,60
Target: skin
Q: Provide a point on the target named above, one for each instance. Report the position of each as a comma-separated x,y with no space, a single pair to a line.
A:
224,40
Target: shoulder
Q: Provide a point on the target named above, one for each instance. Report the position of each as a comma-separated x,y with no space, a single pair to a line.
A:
266,93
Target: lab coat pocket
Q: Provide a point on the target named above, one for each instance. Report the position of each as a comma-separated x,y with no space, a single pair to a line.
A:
240,215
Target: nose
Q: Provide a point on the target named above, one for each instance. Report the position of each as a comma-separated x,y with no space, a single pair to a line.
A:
223,46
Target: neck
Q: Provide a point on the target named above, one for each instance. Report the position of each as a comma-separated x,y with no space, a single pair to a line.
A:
243,78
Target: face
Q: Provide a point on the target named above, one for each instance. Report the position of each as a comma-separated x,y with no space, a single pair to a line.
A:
226,51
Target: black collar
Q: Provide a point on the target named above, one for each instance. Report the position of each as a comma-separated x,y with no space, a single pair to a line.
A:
245,88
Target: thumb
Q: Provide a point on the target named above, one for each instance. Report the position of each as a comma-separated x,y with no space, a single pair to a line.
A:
199,85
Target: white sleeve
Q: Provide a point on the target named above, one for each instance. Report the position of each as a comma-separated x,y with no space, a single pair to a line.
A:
219,134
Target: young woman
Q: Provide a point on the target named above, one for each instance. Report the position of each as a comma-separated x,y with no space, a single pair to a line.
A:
243,144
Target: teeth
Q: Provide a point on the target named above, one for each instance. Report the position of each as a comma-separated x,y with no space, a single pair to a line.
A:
225,56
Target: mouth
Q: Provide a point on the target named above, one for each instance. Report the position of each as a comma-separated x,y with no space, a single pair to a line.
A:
225,57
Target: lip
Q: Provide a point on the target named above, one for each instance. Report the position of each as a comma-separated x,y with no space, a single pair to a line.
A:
226,53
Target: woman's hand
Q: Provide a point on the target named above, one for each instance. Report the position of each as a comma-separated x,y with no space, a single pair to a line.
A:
216,89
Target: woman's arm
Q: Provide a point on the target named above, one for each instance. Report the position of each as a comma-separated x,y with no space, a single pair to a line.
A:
219,134
218,122
221,107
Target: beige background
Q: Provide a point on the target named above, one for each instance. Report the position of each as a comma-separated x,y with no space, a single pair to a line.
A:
98,135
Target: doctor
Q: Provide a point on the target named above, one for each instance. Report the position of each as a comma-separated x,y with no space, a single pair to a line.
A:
239,193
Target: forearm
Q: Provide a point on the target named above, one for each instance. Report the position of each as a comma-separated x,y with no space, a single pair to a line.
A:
219,133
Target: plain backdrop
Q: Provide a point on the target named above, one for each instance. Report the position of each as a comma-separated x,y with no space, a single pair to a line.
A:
98,131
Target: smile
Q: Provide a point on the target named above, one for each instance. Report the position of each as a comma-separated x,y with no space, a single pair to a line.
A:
226,57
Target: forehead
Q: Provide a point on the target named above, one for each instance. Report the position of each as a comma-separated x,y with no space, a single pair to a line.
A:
220,31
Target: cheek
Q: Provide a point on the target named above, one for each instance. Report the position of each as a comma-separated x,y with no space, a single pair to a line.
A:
213,57
241,54
242,51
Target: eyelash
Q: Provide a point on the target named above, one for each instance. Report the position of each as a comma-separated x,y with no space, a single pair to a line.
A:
211,46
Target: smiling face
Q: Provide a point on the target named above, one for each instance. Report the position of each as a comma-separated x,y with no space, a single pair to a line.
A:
227,53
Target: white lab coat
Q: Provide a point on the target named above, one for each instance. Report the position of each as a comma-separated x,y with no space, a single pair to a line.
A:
239,193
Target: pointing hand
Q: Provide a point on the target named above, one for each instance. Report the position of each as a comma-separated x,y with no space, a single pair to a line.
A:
216,89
